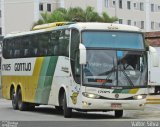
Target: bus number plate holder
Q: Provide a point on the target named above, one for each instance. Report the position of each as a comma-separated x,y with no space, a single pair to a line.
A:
116,105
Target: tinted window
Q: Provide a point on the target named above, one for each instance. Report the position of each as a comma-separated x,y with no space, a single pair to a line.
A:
42,44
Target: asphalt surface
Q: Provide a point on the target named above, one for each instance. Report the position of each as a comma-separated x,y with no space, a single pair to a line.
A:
46,116
0,93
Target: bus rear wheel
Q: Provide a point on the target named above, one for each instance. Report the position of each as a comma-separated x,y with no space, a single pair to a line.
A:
22,106
118,113
67,112
14,99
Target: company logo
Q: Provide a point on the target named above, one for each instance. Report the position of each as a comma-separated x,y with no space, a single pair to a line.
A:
116,96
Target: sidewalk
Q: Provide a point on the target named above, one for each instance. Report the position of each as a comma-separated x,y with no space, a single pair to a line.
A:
153,99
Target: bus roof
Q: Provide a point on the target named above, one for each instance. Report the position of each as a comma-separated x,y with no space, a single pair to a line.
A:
51,25
80,27
104,26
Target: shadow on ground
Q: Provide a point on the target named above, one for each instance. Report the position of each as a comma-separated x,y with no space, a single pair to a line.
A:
75,114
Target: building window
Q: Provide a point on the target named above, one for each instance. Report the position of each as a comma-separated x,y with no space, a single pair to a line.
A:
142,24
158,8
152,7
135,5
135,23
0,31
129,5
129,22
41,7
152,25
106,3
120,21
49,7
141,6
120,4
114,3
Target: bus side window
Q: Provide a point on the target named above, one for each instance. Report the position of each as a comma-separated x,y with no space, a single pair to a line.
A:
43,40
34,45
74,51
6,51
64,42
55,42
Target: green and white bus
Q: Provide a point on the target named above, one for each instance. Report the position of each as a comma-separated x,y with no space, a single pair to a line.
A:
78,66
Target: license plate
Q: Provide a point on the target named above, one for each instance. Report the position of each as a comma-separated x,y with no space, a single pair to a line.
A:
116,105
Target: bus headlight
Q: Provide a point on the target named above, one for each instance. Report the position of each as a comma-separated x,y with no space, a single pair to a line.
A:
90,95
139,97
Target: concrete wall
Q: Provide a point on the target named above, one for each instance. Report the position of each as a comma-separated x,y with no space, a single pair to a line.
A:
19,15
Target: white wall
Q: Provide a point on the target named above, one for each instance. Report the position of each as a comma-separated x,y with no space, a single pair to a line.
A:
19,15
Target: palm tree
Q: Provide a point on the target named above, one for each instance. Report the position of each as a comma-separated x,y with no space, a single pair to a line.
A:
74,14
91,15
106,18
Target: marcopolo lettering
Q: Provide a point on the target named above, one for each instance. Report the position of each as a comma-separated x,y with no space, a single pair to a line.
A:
22,67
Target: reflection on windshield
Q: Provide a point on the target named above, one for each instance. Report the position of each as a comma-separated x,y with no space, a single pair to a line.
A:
113,39
106,67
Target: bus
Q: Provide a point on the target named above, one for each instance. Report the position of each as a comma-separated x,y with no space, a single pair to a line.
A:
78,66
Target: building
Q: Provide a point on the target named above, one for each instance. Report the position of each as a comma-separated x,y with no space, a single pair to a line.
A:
18,15
141,13
153,38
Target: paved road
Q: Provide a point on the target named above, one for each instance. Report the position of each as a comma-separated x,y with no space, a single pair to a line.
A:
48,113
0,93
47,116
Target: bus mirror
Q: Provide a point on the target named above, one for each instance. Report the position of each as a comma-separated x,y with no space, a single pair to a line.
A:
82,50
154,56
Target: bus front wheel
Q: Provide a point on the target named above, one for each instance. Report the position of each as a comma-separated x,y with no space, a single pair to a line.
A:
22,106
67,112
118,113
14,99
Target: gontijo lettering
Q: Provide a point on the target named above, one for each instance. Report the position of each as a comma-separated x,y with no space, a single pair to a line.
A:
22,67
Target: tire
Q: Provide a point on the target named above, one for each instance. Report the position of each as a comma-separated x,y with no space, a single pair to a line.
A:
22,106
67,112
14,99
118,113
59,108
30,106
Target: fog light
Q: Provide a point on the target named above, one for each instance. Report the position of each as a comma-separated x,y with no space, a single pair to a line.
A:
85,103
141,105
139,97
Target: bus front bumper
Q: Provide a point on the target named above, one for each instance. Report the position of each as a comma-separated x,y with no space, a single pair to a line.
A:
102,104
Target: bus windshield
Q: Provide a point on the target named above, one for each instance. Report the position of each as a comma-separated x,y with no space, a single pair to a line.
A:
115,68
105,39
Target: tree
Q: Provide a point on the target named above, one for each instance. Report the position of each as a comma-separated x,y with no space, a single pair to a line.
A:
75,14
91,15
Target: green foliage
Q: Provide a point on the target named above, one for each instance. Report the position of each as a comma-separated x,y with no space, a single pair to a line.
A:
74,14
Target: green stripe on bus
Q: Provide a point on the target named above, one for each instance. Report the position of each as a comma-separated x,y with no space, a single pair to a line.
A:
117,91
125,91
49,78
41,79
45,79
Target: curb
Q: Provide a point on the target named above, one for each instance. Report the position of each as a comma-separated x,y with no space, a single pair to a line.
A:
152,100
